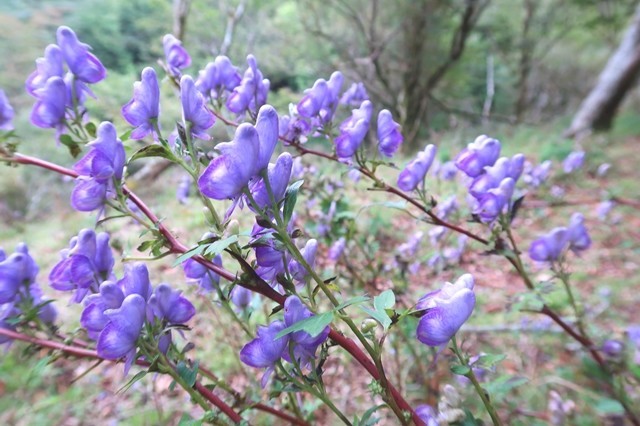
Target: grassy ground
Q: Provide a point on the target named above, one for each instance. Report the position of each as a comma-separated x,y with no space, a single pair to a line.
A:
606,279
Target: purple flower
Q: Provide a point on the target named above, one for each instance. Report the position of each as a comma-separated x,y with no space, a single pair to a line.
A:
194,110
265,350
353,130
17,272
228,174
330,103
603,169
579,239
447,170
52,65
446,310
84,266
354,95
169,305
535,176
6,112
414,173
241,297
136,281
305,345
447,207
93,318
49,109
633,332
479,154
313,99
299,272
252,92
207,279
84,65
119,336
278,174
573,162
144,108
427,414
267,127
409,249
218,76
495,201
336,249
98,169
176,56
389,135
549,247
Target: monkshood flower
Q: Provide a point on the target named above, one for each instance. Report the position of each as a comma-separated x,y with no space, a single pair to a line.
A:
503,168
279,175
6,112
49,109
330,103
143,109
447,207
304,345
415,172
98,169
579,239
176,56
136,281
409,248
51,65
241,159
217,77
170,305
93,318
265,350
573,162
445,171
550,247
241,297
446,310
353,130
293,127
120,334
298,271
84,65
536,176
495,201
336,249
389,136
427,414
482,152
194,110
84,265
313,99
252,92
17,272
207,280
354,95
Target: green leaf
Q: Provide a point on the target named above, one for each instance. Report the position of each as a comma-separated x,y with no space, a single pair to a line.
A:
489,360
146,245
73,146
125,136
460,370
91,129
499,387
131,381
152,151
353,301
189,254
367,419
384,300
187,374
186,420
312,325
220,245
290,199
607,406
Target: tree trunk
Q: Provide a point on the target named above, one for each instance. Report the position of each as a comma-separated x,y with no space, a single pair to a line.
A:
619,75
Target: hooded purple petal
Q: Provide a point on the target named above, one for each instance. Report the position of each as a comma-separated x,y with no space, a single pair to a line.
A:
85,66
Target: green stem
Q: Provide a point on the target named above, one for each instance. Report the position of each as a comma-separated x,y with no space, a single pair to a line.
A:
479,390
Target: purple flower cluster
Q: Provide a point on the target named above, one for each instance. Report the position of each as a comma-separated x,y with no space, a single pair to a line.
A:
265,350
6,112
55,90
493,179
252,91
243,158
414,173
143,109
217,78
19,291
320,102
99,170
176,56
535,176
195,115
552,246
446,310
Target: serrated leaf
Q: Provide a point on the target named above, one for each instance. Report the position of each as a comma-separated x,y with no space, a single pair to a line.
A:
220,245
461,370
312,325
152,151
290,199
131,381
189,254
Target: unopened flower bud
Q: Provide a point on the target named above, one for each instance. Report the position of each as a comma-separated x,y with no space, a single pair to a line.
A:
368,325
